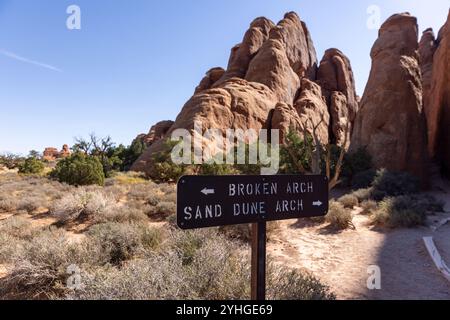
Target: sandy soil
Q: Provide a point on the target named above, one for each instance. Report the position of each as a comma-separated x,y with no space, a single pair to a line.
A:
342,259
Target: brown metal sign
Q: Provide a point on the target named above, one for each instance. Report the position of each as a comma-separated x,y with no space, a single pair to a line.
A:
211,201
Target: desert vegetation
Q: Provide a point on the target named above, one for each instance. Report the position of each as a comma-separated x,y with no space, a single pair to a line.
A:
87,229
120,241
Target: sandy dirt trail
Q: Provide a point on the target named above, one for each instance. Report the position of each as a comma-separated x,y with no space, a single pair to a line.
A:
341,259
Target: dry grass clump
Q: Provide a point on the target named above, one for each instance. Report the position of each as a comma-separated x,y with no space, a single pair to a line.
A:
126,178
40,269
405,211
81,204
339,217
162,210
30,194
122,241
287,284
243,232
202,265
363,194
14,232
349,201
131,261
120,214
369,207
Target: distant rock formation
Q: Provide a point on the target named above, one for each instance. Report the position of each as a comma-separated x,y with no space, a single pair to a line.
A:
52,154
272,81
156,133
435,55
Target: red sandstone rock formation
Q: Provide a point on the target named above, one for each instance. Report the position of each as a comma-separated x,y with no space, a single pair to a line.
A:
270,83
437,93
391,122
52,154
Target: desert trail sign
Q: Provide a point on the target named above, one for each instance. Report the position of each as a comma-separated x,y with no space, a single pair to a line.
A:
211,201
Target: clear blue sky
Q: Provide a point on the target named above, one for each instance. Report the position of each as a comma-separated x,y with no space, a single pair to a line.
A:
136,62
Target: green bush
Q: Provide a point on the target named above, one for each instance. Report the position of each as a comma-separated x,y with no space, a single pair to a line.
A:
363,179
393,184
354,164
80,170
294,154
132,153
162,168
31,166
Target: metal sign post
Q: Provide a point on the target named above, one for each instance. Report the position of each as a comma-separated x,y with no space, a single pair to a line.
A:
212,201
259,240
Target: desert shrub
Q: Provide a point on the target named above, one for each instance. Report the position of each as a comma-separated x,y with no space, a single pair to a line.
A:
31,203
120,214
224,271
349,201
393,184
10,160
162,168
356,162
216,270
429,203
363,194
14,233
18,227
338,217
162,209
363,179
31,166
187,243
40,269
286,284
128,155
153,199
9,246
369,206
8,205
158,276
81,204
405,211
294,154
122,241
215,169
243,232
79,170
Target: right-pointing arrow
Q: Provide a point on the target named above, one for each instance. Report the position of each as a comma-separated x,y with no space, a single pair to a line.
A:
317,203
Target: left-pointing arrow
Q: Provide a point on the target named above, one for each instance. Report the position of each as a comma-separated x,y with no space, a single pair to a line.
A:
207,191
